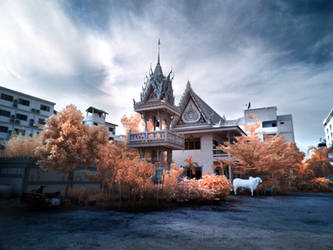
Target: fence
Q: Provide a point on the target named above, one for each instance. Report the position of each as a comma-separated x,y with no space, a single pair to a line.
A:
24,175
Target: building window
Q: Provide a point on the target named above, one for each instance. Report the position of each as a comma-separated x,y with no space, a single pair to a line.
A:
24,102
21,117
192,143
45,108
41,121
19,131
281,123
196,173
111,130
95,123
3,129
4,113
31,122
9,98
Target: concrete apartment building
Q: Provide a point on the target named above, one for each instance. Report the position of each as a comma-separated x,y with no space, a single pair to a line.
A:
272,123
96,117
19,113
328,129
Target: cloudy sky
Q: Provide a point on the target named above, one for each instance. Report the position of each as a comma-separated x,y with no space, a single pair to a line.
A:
96,53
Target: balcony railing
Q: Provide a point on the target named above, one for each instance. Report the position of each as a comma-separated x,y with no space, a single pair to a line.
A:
218,154
156,138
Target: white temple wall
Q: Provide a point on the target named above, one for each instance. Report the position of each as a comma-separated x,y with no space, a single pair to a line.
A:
203,156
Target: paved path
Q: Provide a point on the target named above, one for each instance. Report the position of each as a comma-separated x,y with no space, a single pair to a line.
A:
281,222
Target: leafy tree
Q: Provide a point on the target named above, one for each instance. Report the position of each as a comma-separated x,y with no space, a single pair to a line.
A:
319,163
66,143
190,165
273,158
132,123
17,146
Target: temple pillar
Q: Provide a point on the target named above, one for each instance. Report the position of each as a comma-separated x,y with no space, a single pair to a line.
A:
154,123
142,154
169,157
153,156
161,158
146,125
160,121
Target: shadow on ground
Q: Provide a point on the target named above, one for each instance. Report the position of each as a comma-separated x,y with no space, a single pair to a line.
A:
295,221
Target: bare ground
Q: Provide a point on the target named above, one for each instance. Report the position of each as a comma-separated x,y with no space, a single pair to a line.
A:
297,221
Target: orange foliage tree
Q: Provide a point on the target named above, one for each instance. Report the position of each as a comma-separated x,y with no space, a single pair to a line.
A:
273,158
132,123
17,146
66,143
210,187
190,165
121,167
321,184
171,181
319,162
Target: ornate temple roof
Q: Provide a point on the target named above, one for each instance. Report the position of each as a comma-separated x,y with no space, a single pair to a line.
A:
157,86
192,107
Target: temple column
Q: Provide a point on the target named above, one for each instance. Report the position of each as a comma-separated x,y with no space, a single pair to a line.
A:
153,157
154,123
160,121
169,157
161,158
142,154
146,125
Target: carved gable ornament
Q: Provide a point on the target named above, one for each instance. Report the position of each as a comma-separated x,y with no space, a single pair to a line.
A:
191,113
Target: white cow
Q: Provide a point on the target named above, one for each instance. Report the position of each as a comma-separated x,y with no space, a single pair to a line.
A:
251,184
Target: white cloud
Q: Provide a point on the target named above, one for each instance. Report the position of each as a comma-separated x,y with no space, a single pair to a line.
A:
45,53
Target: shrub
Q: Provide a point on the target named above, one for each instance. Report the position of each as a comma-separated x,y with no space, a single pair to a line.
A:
210,187
219,184
18,146
322,185
171,182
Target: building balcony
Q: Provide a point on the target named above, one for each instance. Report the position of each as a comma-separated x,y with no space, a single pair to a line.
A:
219,154
269,130
163,138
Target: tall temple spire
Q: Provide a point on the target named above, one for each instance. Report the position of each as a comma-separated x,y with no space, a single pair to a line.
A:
158,51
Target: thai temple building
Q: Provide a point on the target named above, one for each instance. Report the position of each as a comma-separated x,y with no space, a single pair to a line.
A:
191,128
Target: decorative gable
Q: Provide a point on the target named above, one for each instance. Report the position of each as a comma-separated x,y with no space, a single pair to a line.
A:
191,114
194,111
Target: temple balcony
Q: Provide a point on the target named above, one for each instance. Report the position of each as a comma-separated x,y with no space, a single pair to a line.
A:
162,138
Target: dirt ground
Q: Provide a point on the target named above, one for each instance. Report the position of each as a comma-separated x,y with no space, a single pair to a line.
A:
297,221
